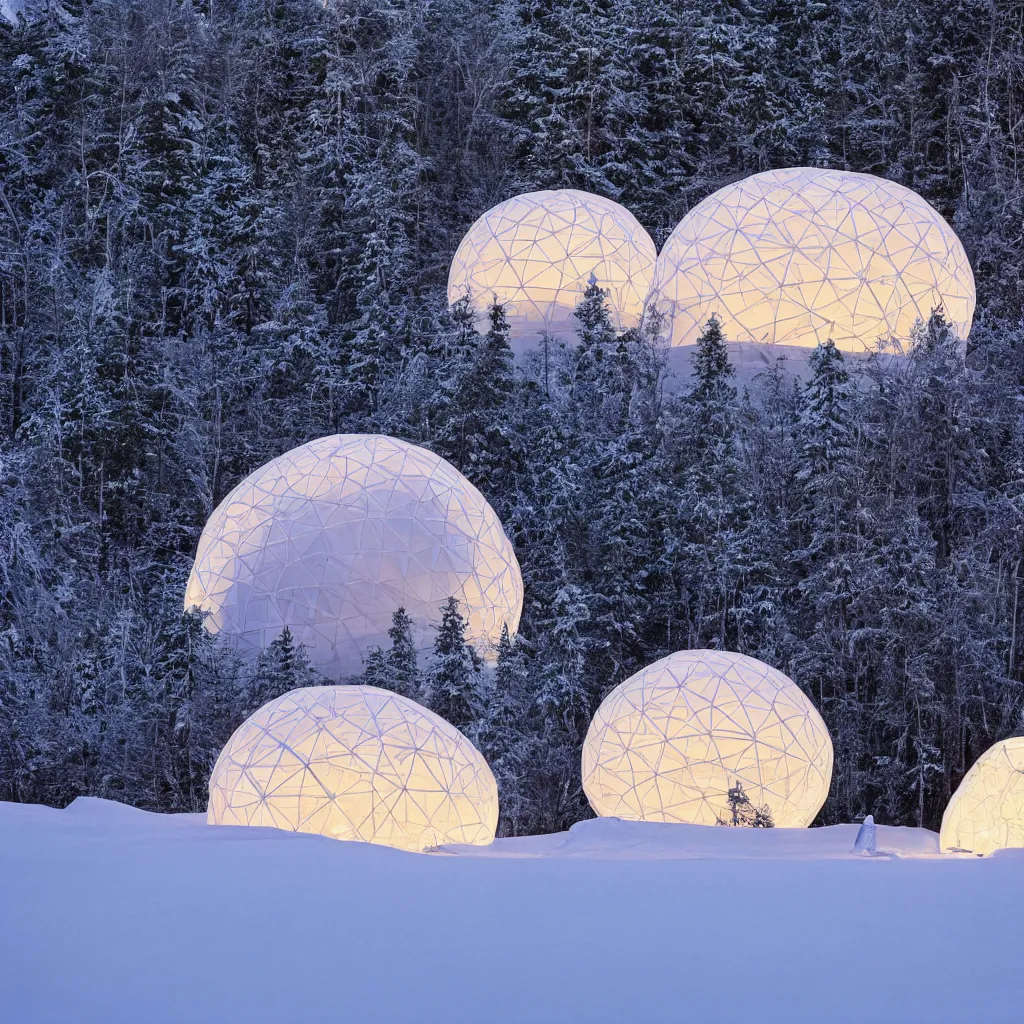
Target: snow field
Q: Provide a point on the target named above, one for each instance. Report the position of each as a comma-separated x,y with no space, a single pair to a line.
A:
109,914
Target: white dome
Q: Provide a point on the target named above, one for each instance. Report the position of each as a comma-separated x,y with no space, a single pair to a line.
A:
536,253
986,812
801,255
671,741
357,763
331,538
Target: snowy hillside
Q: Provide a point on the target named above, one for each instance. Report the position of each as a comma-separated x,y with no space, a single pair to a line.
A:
227,229
109,914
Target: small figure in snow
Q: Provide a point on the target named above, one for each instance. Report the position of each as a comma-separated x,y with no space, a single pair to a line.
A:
865,841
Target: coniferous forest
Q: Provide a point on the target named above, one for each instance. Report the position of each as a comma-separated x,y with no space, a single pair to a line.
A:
225,229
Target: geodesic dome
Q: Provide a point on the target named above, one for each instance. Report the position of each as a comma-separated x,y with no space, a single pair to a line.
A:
331,538
536,253
671,741
356,763
801,255
986,812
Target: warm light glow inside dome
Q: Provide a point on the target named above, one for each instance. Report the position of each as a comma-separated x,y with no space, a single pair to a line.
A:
986,813
536,253
671,741
331,538
801,255
356,763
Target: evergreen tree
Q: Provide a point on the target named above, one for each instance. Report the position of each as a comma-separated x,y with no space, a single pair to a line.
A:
282,667
472,413
508,699
187,716
401,664
375,669
828,555
712,512
453,681
592,363
507,733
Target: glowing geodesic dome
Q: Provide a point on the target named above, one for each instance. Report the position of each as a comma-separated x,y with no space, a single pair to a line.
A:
357,763
986,812
536,253
671,741
801,255
331,538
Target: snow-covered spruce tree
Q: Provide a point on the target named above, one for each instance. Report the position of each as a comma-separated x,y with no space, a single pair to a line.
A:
507,699
454,675
508,734
712,510
375,669
283,666
948,471
192,711
228,268
946,458
604,400
903,603
396,668
564,702
401,659
591,366
899,613
827,562
471,411
632,511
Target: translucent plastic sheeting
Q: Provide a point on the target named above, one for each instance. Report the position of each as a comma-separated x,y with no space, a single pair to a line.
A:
801,255
671,741
986,813
355,763
536,253
331,538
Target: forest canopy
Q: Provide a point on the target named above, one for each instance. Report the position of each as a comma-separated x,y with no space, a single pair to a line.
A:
225,230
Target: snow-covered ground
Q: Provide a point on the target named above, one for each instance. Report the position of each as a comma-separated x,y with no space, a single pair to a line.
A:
110,914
